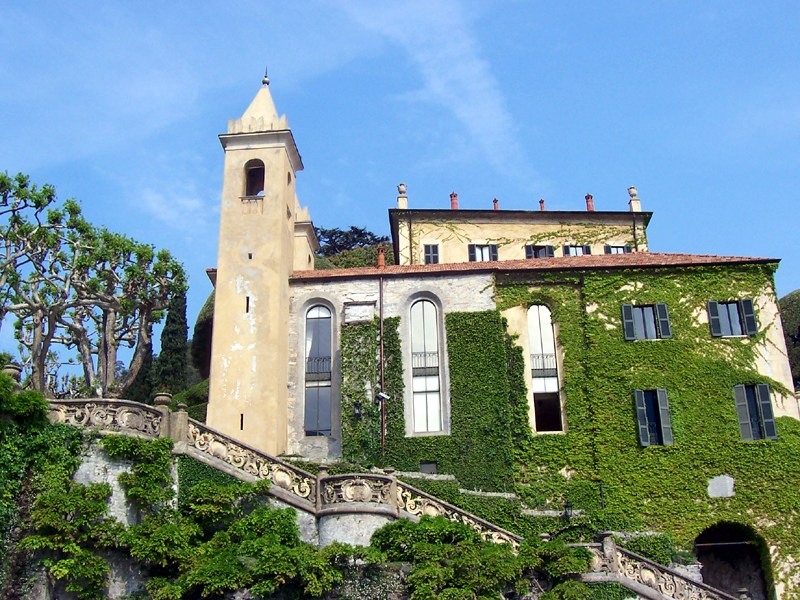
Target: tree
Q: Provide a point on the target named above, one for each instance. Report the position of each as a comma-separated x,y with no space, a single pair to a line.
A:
201,339
172,362
333,241
75,285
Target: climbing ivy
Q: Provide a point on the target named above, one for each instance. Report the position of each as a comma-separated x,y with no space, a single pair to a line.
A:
599,466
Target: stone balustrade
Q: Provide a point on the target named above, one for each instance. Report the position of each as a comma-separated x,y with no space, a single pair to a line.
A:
648,579
321,495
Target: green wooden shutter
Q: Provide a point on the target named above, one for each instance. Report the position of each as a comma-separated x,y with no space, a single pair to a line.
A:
740,397
713,319
566,250
529,252
627,322
663,413
587,249
471,250
641,417
767,417
628,249
607,249
493,252
549,251
749,316
662,314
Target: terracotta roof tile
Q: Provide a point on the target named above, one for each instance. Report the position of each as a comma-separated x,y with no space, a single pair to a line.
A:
589,261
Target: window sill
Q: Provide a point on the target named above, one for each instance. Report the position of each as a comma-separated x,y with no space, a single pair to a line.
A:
549,432
426,434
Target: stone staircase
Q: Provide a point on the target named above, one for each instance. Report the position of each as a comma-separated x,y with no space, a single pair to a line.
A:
370,498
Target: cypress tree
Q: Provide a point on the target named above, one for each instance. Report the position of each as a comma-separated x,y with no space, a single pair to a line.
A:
172,359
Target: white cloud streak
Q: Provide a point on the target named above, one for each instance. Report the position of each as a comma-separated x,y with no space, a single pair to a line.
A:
438,38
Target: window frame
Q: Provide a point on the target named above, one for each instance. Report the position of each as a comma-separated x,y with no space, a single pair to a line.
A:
755,409
663,326
609,249
568,249
318,382
746,313
539,251
430,251
547,374
653,416
472,252
442,371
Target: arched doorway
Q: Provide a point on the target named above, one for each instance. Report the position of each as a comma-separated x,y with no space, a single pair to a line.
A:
731,559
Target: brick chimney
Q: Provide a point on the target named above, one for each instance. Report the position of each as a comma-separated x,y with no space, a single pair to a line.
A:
496,204
453,201
589,203
381,258
541,204
402,199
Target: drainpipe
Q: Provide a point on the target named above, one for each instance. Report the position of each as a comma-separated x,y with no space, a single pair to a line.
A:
381,368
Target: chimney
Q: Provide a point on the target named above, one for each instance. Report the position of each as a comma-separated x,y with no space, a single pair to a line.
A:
453,201
634,203
496,204
541,204
381,258
402,199
589,203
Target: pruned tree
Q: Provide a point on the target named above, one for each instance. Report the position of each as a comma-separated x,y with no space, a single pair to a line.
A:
85,288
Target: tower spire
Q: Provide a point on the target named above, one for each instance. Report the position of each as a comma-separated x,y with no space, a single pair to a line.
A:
265,79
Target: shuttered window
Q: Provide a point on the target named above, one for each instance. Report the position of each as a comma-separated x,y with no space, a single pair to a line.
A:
318,372
653,418
735,318
754,410
575,250
533,251
482,252
648,322
617,249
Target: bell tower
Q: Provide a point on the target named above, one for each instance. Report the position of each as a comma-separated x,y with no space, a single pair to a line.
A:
264,235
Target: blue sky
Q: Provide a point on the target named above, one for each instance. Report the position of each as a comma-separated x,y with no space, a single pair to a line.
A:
696,103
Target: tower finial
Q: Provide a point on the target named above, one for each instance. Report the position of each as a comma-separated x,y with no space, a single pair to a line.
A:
265,79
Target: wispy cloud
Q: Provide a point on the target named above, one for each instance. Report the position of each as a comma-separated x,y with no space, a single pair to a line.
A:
439,39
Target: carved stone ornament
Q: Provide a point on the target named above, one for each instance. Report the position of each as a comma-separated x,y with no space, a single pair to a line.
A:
252,462
108,415
363,488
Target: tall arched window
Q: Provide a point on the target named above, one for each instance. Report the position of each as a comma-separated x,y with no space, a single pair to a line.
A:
425,371
254,178
318,371
544,370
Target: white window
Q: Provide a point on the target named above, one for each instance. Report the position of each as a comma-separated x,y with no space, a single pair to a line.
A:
544,370
425,368
482,252
317,420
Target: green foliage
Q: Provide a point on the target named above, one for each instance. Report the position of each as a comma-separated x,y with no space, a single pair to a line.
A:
357,257
201,338
449,560
171,363
659,548
790,315
142,386
194,396
479,448
599,466
28,404
334,241
149,484
192,473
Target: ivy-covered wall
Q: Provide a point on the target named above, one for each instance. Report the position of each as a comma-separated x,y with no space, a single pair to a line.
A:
479,448
597,466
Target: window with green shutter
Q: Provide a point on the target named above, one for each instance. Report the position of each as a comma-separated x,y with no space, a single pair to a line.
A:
647,322
653,417
754,410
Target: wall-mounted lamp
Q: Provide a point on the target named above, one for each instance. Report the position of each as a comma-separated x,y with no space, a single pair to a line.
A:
357,409
381,397
568,512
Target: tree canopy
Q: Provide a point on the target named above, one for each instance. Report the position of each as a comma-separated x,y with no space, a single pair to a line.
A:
76,286
333,241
